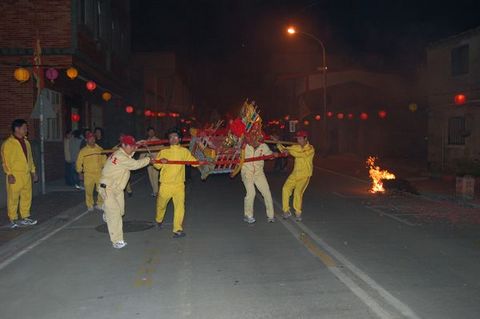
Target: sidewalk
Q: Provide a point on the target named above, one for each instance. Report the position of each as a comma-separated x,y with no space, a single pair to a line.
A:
437,201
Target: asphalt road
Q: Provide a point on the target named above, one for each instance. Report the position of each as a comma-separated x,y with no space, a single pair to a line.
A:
343,261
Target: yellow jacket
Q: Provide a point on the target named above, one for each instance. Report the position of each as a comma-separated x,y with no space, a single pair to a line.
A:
116,172
13,158
257,166
88,163
173,173
303,165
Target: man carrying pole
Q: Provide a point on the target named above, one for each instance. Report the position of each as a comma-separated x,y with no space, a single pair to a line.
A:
298,180
172,181
115,175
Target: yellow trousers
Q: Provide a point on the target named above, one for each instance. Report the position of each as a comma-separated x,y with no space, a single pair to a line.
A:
176,192
153,177
20,192
114,210
92,181
297,185
260,181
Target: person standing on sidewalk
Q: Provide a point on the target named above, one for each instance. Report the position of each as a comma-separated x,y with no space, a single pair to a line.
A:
75,142
115,176
253,175
151,170
18,165
298,180
89,166
172,181
68,159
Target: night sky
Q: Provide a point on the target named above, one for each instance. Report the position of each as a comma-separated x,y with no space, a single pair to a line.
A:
228,44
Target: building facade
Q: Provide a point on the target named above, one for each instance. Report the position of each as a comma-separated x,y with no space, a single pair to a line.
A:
454,101
92,36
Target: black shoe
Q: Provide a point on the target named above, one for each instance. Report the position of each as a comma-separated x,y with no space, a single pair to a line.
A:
130,194
179,234
160,225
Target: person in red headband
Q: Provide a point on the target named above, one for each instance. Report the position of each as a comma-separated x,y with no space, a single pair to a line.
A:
298,180
115,175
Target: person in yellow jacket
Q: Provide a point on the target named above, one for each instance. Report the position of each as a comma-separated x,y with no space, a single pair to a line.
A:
172,182
115,176
89,166
298,180
17,161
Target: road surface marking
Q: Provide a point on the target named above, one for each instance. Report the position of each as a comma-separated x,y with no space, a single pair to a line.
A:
341,174
27,249
333,255
392,216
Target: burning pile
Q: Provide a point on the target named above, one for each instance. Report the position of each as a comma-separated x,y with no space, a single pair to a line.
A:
377,175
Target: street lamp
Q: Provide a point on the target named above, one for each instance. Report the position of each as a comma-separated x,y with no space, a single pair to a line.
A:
291,30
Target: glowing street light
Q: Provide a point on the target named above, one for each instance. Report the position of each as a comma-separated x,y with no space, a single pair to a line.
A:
291,31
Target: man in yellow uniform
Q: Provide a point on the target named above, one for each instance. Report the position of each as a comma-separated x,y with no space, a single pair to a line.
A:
253,175
19,168
298,180
89,166
115,175
172,182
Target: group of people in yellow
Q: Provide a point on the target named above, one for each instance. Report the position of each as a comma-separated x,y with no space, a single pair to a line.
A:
109,176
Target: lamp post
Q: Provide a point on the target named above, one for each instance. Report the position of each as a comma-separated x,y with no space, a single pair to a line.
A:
291,31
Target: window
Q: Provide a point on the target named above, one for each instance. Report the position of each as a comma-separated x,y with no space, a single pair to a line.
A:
53,126
456,131
459,60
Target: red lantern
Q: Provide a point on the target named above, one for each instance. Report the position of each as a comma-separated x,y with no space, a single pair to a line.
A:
382,114
75,117
287,117
460,99
91,85
182,120
306,123
161,114
329,114
282,126
350,116
129,109
340,116
318,117
363,116
147,113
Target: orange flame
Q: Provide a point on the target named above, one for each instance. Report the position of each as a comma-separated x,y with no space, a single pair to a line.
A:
377,175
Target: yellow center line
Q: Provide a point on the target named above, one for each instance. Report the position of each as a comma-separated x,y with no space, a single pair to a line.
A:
313,248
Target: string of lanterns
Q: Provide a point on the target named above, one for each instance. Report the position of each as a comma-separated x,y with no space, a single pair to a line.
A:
22,75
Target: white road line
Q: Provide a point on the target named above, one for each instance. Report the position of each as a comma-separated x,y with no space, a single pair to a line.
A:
27,249
349,283
392,216
341,174
362,294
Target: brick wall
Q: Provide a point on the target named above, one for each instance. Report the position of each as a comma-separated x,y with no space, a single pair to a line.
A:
21,19
16,99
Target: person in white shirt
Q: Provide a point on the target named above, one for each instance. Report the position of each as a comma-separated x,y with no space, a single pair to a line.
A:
253,175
